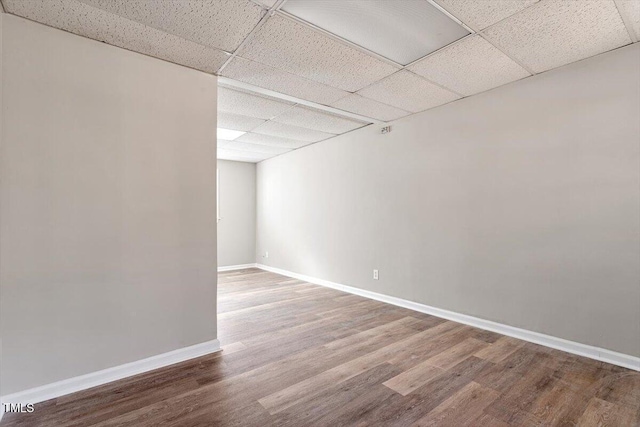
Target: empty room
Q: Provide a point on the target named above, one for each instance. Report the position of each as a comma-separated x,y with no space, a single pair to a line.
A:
319,213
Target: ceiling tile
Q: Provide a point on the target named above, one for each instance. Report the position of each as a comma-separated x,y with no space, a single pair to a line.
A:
250,104
254,148
470,66
218,24
480,14
291,132
557,32
407,91
242,156
317,120
299,49
400,30
267,3
237,121
368,107
277,80
87,21
276,141
631,11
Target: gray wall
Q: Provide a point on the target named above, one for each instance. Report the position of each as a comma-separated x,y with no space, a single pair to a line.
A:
1,130
519,205
107,206
237,226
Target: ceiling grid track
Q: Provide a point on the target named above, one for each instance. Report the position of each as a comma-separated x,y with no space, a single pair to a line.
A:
268,14
511,57
267,92
491,42
417,75
437,51
627,22
451,16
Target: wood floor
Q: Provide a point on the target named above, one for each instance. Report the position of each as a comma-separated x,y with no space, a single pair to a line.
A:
297,354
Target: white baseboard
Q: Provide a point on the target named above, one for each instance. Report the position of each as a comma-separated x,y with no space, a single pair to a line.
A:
604,355
83,382
237,267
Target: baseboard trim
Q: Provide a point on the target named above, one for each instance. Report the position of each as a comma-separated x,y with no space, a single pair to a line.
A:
93,379
601,354
236,267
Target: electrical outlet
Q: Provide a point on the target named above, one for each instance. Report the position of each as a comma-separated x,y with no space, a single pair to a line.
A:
375,274
266,254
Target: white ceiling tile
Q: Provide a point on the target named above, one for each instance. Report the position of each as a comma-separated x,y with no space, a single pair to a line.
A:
368,107
242,156
267,3
254,148
631,11
87,21
276,141
557,32
317,120
480,14
408,91
277,80
218,24
299,49
470,66
237,122
291,132
250,104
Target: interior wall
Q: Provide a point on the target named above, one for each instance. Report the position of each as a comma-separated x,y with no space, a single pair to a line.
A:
519,205
107,206
237,211
1,132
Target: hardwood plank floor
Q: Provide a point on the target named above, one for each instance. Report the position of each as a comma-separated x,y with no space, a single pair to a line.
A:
296,354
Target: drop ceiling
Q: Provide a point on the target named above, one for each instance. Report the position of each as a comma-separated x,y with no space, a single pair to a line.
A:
295,72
